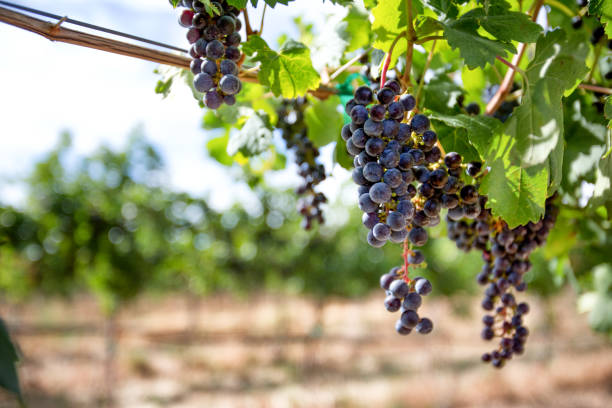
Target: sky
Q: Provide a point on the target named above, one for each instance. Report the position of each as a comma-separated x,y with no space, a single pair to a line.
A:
48,87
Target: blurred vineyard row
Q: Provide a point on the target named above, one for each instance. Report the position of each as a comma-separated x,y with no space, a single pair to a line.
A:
106,224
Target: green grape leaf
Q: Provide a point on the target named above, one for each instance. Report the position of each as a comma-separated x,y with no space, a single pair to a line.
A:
476,50
341,156
443,8
389,22
480,129
602,8
455,139
323,120
254,137
608,108
440,95
425,25
288,72
537,124
354,31
527,159
516,192
8,361
174,3
511,26
239,4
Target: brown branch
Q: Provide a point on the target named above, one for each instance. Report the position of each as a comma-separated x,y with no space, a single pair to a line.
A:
596,88
55,32
506,84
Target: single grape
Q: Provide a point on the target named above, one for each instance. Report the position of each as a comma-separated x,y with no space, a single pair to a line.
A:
203,83
228,67
425,326
215,50
213,99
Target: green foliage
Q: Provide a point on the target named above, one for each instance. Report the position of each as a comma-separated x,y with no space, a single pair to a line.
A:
288,72
324,121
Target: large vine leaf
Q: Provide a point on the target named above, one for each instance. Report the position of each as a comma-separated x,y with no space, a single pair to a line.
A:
527,159
476,50
8,360
481,129
323,120
511,26
516,192
557,66
288,72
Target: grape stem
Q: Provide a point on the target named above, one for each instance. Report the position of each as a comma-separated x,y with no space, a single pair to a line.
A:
405,256
430,38
506,84
411,38
247,23
263,16
515,68
383,75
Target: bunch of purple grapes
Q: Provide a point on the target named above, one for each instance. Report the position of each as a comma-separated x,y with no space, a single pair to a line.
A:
295,133
404,182
506,254
407,298
214,43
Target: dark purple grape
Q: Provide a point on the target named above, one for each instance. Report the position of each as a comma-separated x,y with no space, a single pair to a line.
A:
363,95
215,50
425,326
392,304
418,236
203,83
228,67
196,66
385,96
232,53
419,123
230,85
213,99
409,318
193,35
226,25
409,102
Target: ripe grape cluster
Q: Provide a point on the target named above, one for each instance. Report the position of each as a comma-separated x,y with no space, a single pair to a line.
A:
295,133
506,254
404,182
405,295
214,43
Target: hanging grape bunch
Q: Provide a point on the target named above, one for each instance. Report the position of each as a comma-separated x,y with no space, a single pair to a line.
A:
295,133
403,180
506,255
214,43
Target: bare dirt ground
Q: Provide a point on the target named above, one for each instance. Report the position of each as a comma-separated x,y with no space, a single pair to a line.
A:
270,352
